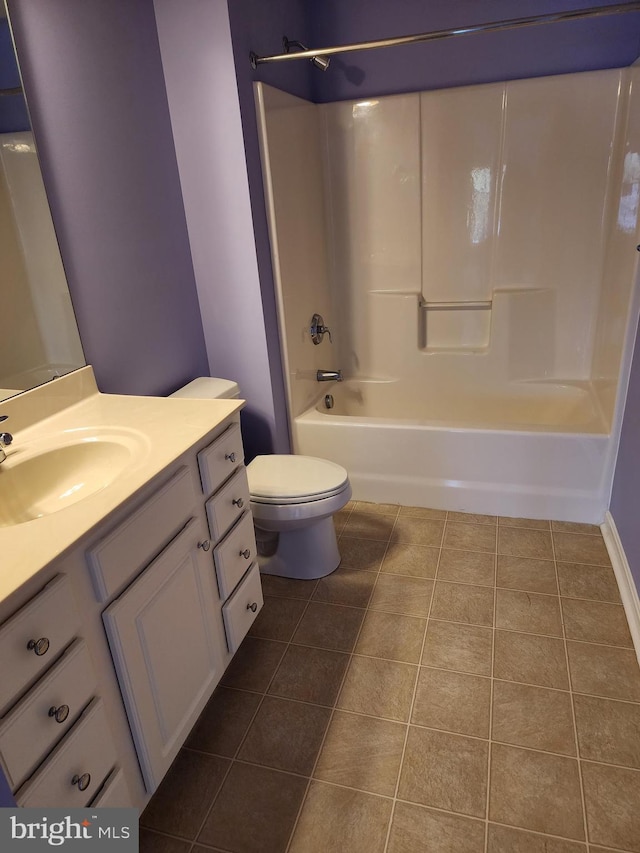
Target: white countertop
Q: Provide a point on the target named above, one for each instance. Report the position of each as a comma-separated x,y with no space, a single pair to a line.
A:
162,429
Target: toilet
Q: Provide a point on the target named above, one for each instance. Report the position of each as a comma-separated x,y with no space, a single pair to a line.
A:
293,500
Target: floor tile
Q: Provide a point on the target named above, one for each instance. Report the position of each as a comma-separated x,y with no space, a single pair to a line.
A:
611,798
286,735
183,799
398,594
362,525
418,531
391,636
362,752
377,509
310,675
224,722
419,561
608,730
364,554
535,717
423,512
536,791
532,523
580,581
604,671
467,567
580,548
470,537
329,626
446,771
456,602
464,648
596,622
255,811
528,612
521,542
472,518
340,819
151,842
340,518
527,574
452,701
504,839
416,829
530,659
379,688
575,527
287,587
278,618
350,587
254,664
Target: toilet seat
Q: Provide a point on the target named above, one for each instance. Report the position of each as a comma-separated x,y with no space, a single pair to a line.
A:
289,479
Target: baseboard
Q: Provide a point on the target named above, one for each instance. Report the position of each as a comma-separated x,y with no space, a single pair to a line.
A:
626,584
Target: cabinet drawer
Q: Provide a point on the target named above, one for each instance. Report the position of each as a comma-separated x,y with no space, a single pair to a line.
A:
50,620
114,793
239,612
87,749
220,459
121,555
27,733
234,555
225,507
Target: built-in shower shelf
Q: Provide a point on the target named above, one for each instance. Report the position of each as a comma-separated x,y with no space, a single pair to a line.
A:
455,326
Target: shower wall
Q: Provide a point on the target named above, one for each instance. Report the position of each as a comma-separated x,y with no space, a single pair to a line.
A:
475,237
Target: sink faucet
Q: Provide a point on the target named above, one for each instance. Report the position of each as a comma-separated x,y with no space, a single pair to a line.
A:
329,376
5,439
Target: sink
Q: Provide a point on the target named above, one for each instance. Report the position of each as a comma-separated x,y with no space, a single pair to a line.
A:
48,475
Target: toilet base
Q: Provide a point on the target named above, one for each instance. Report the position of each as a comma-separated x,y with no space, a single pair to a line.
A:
305,553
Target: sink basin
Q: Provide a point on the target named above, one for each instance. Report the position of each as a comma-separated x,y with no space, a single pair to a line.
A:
45,477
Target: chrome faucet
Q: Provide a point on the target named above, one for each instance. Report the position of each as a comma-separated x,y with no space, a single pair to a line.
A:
329,376
5,440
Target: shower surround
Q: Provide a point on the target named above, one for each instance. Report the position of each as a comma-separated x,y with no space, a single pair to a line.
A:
473,252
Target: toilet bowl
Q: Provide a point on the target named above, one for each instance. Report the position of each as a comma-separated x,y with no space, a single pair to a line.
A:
292,498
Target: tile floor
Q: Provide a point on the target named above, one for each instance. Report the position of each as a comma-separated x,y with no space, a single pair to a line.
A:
460,684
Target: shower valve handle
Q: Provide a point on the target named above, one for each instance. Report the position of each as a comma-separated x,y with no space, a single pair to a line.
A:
318,330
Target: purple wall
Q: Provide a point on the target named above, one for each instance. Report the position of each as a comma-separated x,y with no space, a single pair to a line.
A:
93,79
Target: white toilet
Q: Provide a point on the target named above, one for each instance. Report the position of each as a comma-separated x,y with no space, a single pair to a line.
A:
293,499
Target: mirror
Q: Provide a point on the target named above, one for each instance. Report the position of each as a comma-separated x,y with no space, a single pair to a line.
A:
39,338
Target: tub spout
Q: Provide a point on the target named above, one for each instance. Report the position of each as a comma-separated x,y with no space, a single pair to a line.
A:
329,376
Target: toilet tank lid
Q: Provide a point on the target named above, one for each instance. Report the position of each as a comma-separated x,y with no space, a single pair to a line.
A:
209,388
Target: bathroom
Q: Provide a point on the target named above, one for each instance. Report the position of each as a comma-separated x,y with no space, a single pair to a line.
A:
138,104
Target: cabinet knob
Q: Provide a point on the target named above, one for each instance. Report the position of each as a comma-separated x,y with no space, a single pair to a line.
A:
246,553
230,456
252,607
238,502
205,545
60,714
39,647
82,782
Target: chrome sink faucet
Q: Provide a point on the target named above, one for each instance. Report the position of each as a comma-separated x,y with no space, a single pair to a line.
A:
329,375
5,439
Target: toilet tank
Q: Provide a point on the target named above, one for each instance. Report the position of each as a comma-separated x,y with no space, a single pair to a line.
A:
209,388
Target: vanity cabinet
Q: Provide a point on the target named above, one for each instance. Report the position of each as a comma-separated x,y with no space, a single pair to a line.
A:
108,662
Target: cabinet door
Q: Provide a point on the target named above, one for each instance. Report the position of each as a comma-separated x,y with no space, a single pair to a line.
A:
165,633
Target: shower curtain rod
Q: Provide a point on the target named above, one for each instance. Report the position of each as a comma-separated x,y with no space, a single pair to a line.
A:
495,26
17,90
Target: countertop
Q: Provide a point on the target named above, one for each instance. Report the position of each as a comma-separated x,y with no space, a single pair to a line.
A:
160,428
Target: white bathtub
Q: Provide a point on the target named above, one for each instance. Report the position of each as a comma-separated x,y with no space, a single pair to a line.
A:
532,449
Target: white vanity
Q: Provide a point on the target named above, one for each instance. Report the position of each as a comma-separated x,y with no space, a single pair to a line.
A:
128,578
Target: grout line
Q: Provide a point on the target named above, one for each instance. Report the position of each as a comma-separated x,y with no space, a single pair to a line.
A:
493,646
573,710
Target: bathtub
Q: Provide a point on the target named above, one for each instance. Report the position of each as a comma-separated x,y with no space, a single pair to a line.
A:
531,449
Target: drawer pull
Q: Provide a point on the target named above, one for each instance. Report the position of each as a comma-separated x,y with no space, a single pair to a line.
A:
39,647
252,607
60,714
205,545
246,553
230,456
238,502
82,782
